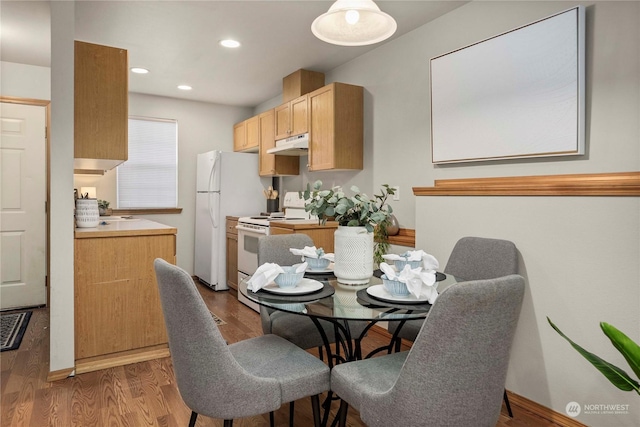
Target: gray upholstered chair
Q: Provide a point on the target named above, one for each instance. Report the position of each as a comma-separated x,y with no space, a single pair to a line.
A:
472,258
454,373
298,329
244,379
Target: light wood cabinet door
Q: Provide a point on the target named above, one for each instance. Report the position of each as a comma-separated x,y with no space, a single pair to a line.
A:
239,136
117,304
252,131
299,116
282,121
101,93
336,128
270,164
232,254
292,118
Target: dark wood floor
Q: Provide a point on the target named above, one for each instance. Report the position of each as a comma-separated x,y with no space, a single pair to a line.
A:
141,394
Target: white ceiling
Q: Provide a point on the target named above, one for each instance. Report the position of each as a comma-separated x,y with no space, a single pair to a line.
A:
178,41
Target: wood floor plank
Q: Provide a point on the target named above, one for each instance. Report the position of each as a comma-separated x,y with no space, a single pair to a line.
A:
144,394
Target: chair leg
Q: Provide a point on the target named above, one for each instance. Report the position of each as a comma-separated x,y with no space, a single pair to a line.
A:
321,353
291,413
192,420
272,421
342,413
506,401
228,423
315,405
398,344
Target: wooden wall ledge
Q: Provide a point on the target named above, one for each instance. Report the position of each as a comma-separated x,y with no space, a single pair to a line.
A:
405,237
605,184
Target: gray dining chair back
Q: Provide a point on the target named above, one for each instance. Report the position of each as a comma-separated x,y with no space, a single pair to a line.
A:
472,258
455,372
477,258
276,249
244,379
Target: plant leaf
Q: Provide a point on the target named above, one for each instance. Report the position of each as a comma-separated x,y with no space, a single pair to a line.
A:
615,375
629,349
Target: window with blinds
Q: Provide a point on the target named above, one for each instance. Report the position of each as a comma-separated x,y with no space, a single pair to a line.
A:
149,178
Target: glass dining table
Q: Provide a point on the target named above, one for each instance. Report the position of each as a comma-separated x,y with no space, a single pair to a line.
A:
322,297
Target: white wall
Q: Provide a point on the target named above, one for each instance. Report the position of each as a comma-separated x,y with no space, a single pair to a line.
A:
61,315
25,81
201,127
580,255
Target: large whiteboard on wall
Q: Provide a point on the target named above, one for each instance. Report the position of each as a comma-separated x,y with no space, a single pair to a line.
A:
518,94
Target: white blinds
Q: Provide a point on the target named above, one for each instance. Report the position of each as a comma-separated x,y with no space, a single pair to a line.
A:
148,179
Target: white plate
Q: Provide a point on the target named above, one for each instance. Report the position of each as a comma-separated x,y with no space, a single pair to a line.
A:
305,286
378,291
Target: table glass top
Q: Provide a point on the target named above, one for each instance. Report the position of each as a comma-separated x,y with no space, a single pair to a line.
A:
338,301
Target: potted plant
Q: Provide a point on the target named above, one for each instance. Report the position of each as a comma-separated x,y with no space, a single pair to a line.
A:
357,216
103,207
629,350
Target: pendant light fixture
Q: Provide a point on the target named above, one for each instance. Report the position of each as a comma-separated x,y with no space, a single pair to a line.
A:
353,23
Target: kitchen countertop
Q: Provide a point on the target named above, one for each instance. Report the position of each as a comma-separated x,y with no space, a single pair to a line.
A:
302,224
124,227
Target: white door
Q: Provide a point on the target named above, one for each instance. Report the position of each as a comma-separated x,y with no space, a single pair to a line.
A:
22,205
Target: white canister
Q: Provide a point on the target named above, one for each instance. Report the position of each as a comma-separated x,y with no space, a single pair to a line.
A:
353,252
87,213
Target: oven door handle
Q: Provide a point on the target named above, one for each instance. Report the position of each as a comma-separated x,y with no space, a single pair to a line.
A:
252,230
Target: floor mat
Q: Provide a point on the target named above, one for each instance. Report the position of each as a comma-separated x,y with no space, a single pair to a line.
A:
12,328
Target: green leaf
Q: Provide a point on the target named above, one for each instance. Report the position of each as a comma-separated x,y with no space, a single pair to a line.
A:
330,211
629,349
615,375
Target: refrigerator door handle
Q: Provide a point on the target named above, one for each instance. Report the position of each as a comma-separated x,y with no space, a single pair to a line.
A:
212,213
212,189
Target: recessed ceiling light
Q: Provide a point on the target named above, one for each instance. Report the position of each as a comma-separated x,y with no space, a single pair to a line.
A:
230,43
185,87
139,70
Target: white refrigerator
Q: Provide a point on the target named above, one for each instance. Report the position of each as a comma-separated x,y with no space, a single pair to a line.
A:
226,184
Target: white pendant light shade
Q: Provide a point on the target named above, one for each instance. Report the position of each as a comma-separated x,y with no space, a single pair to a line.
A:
353,23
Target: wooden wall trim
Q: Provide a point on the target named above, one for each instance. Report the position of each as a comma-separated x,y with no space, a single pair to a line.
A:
557,418
604,184
59,375
405,237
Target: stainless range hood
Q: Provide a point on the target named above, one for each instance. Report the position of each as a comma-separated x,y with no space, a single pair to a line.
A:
293,146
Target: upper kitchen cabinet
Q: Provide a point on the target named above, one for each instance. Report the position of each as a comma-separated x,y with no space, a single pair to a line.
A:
301,82
246,135
336,127
101,106
292,118
239,136
270,164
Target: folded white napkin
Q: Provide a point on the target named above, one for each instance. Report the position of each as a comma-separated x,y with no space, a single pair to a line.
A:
312,252
418,281
429,262
263,276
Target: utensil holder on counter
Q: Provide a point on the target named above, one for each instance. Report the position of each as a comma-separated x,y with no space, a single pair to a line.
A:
273,205
87,213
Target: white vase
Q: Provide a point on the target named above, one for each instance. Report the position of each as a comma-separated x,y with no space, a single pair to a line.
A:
87,213
353,249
